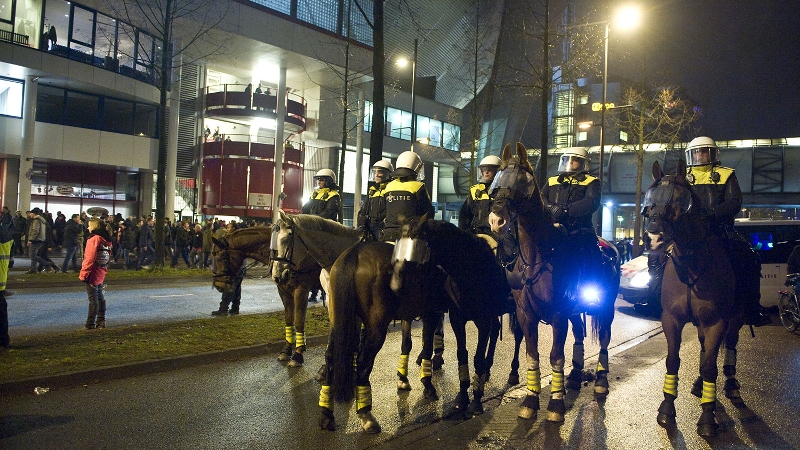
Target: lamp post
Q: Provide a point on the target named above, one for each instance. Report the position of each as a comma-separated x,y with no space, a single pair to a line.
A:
402,62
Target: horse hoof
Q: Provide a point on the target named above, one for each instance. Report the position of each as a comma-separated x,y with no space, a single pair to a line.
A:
530,407
369,423
437,362
283,357
555,410
461,402
297,360
574,380
527,413
403,385
601,386
732,392
475,408
707,430
666,413
513,379
327,422
697,387
429,392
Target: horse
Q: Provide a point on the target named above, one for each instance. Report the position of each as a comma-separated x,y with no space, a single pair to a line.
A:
229,254
699,287
360,293
543,288
465,264
295,237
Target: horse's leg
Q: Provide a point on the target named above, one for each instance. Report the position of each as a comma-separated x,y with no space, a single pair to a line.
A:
375,337
697,386
556,407
300,307
327,421
426,366
604,337
707,424
288,315
438,344
672,331
494,335
458,324
575,377
530,405
513,376
405,350
488,329
732,385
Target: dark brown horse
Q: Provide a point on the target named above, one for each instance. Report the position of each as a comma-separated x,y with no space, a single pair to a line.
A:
229,255
544,285
698,288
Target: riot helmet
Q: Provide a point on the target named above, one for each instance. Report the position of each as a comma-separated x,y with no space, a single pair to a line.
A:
701,151
574,160
382,167
492,163
409,164
326,175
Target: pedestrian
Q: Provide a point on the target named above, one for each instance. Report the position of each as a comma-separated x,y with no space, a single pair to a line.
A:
6,243
145,244
233,298
93,272
196,239
182,244
208,244
37,238
71,230
6,220
18,230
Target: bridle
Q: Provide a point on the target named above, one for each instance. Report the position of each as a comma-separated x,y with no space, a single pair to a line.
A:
288,254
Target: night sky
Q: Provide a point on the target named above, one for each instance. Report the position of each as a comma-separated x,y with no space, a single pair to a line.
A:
738,59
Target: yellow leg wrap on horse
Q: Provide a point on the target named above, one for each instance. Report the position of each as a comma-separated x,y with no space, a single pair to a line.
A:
300,338
671,384
289,334
463,373
363,397
402,365
557,382
534,383
426,368
325,397
709,392
602,362
438,342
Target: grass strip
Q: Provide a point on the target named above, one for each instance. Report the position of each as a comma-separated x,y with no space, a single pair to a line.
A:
81,350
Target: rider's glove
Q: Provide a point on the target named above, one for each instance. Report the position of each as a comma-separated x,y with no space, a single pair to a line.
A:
557,211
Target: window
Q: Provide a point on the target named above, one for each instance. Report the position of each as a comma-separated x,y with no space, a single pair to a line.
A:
452,137
105,30
81,110
562,102
145,122
82,35
322,13
49,104
368,116
10,97
398,124
583,99
582,136
623,136
117,116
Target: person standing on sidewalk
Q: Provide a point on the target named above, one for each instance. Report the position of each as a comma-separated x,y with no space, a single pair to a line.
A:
234,297
37,238
93,272
70,242
6,242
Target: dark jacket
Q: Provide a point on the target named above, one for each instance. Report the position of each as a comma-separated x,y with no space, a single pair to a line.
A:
718,191
474,214
373,211
71,231
404,198
572,199
325,203
182,238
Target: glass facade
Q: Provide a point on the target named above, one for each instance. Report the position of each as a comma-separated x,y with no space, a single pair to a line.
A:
398,125
329,15
11,97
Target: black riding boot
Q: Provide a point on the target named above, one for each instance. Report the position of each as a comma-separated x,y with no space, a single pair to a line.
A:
655,267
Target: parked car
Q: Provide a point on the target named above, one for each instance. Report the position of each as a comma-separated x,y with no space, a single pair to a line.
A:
773,240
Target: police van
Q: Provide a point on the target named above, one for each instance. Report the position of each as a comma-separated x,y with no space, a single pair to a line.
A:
773,240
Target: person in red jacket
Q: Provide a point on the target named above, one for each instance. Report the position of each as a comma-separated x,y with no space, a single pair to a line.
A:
93,271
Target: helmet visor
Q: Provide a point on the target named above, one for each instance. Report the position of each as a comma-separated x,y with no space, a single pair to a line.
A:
702,155
572,164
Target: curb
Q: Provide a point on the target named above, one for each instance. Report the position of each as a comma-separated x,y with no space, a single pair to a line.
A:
94,376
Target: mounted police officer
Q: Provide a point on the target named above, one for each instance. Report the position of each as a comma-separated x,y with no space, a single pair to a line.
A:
406,195
373,210
474,214
572,197
325,200
720,197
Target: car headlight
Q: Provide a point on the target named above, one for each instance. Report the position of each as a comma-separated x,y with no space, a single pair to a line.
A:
640,280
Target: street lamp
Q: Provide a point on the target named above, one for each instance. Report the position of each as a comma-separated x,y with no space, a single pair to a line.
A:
402,63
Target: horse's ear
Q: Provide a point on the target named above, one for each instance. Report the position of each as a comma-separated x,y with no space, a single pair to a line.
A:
657,172
522,155
506,154
681,173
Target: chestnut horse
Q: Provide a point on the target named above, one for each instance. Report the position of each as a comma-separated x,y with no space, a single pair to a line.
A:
229,254
698,287
543,286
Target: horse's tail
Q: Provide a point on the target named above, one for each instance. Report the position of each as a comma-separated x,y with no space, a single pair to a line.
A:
344,336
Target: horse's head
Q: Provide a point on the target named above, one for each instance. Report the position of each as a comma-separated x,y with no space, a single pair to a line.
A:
668,204
513,184
226,264
286,253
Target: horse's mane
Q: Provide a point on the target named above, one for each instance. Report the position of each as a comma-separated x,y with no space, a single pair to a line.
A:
312,222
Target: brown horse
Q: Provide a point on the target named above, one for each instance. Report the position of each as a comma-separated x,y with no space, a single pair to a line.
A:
698,287
543,286
229,255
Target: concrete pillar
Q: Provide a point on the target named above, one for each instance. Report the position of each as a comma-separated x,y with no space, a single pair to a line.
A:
11,187
28,132
170,178
359,157
280,114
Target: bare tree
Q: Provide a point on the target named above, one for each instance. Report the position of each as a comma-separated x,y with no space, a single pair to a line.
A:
197,20
657,115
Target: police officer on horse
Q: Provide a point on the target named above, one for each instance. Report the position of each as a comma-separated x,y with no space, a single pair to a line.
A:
373,210
474,214
406,195
325,202
720,197
572,197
